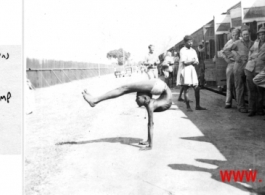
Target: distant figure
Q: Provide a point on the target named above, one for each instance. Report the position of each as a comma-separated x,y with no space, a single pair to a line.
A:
187,76
167,68
145,89
151,61
175,65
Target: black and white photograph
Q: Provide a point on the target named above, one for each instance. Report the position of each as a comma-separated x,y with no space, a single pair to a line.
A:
153,97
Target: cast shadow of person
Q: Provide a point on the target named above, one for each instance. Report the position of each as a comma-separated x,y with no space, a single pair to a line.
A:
122,140
215,174
238,138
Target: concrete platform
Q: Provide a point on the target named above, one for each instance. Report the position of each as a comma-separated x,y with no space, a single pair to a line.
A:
71,148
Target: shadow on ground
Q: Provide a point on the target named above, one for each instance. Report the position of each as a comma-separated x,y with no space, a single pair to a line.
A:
240,139
122,140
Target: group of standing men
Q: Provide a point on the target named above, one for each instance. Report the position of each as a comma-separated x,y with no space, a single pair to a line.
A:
186,73
245,70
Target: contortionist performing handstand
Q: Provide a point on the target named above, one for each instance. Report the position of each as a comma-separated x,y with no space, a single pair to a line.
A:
145,89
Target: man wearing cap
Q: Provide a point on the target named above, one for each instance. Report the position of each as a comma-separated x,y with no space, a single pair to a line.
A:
187,76
235,33
254,67
151,61
241,49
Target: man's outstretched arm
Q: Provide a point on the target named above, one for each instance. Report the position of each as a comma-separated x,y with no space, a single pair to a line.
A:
150,125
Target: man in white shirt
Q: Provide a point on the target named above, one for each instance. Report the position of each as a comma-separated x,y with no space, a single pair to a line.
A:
187,76
151,61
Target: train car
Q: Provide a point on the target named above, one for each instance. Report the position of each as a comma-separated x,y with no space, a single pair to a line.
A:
247,12
216,33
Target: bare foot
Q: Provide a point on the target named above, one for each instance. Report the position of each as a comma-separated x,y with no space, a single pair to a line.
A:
144,143
200,108
146,148
189,110
182,100
88,98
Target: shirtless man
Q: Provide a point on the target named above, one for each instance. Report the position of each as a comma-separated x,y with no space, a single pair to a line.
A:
145,89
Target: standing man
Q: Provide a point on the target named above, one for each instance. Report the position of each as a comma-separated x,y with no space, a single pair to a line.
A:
151,61
241,49
254,67
175,65
229,69
167,67
187,76
201,66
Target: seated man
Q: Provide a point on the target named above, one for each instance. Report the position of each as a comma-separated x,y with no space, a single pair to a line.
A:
145,89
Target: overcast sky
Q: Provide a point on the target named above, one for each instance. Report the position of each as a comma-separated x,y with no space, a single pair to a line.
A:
85,30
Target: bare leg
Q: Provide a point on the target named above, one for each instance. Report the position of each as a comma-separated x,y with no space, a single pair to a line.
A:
186,88
180,99
197,97
180,94
149,141
143,86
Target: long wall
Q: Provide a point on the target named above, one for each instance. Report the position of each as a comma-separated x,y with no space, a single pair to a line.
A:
50,72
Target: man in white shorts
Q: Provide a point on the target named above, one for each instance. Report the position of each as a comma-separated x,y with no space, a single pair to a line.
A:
187,76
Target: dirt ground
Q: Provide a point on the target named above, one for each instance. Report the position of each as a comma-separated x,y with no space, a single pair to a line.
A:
71,148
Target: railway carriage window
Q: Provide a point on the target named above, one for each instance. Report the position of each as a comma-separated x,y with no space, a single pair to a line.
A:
221,41
253,26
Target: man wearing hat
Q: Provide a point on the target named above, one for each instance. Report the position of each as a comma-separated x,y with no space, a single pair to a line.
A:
187,76
255,68
239,51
